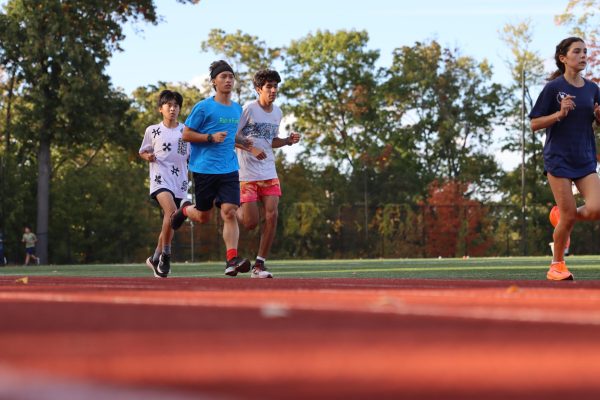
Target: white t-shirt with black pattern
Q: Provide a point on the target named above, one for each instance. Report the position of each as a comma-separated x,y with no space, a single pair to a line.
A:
262,127
170,170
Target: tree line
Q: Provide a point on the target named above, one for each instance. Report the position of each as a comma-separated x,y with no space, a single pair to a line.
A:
396,159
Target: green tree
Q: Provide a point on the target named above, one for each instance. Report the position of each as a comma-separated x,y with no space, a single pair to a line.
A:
7,85
59,51
582,16
331,89
246,54
305,197
145,103
97,216
522,188
449,105
400,227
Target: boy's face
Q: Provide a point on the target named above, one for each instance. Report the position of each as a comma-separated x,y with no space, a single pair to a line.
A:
268,92
170,110
224,82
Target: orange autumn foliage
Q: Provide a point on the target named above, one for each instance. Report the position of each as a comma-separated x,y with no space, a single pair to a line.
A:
454,223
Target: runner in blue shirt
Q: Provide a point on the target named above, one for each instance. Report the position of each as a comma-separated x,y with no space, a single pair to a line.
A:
567,108
211,129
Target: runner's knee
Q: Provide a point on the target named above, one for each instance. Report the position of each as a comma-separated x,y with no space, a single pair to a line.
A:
567,218
228,213
593,211
203,218
249,223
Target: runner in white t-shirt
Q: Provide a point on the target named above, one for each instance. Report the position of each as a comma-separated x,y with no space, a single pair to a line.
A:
168,156
258,178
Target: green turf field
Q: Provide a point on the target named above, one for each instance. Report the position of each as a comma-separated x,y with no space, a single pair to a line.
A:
584,267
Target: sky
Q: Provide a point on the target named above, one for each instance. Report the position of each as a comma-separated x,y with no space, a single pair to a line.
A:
170,51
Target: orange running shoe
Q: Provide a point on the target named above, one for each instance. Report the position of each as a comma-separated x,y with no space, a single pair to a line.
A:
554,218
559,272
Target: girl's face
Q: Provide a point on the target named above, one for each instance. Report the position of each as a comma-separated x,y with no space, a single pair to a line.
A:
576,57
170,110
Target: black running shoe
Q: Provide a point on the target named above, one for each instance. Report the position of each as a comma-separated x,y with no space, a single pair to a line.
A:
153,264
237,264
178,218
164,264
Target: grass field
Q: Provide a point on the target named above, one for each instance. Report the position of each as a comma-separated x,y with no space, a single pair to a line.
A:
517,268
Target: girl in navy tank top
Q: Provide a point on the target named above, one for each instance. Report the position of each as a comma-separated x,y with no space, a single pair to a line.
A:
567,108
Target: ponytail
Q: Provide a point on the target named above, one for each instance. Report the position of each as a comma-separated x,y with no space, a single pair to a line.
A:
561,50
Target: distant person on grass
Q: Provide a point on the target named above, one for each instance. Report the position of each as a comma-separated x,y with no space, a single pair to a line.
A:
211,129
30,240
258,178
567,108
167,155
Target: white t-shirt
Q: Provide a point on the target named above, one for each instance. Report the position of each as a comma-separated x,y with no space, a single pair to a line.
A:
262,127
170,170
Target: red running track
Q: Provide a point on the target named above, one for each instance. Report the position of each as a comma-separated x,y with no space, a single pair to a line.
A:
298,339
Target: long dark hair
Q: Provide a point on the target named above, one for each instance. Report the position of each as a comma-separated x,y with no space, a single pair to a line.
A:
561,50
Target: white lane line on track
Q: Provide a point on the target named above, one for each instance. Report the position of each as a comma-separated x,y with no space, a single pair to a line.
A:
387,305
30,385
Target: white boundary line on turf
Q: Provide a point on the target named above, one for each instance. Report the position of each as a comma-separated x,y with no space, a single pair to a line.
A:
388,305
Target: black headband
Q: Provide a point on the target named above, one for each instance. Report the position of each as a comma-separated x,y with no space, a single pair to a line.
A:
220,68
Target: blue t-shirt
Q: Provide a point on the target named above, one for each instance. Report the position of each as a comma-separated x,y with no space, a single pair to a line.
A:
210,116
570,148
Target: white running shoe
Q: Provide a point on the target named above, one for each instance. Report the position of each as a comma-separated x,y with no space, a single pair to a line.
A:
260,271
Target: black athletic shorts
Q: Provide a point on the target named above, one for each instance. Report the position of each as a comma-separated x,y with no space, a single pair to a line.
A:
217,189
177,199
